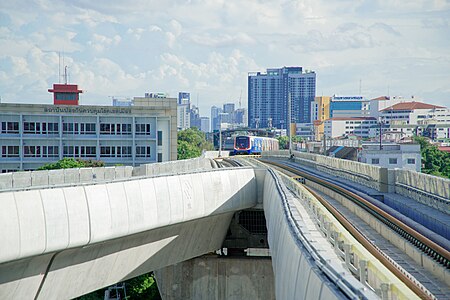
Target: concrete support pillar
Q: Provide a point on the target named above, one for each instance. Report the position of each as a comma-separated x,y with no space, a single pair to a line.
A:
363,271
216,277
385,290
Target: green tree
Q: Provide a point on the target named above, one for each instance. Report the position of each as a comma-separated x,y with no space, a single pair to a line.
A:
283,141
67,163
434,161
186,150
191,143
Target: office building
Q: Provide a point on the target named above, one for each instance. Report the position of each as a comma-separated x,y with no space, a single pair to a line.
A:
215,117
195,117
417,118
184,111
32,135
204,124
320,111
391,155
361,127
184,98
349,106
269,94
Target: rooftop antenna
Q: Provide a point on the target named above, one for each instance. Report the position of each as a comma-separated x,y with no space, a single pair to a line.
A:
197,99
59,66
65,75
240,98
360,87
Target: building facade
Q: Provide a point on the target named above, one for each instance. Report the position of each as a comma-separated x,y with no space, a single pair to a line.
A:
417,118
362,127
32,135
349,106
269,94
204,121
215,117
320,111
403,156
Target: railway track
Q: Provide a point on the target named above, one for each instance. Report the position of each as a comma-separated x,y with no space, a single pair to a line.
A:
434,251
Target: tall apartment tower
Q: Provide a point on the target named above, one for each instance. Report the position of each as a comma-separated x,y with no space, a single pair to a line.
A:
268,95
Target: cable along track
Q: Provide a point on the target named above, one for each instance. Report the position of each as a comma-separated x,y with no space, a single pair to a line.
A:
436,252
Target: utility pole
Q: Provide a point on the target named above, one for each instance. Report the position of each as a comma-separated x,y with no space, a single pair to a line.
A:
289,122
381,135
220,135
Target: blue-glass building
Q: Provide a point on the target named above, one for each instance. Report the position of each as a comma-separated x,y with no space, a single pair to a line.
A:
268,95
349,106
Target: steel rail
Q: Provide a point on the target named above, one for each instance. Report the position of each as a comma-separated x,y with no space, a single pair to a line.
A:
435,251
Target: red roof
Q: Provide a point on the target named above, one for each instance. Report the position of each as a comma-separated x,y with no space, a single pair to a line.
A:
411,106
382,98
444,148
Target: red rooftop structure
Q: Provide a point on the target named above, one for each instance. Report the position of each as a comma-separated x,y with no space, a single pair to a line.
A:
65,94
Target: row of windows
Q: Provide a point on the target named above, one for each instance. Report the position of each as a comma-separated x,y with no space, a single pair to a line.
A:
40,151
393,161
74,128
79,128
65,96
75,151
113,151
10,127
79,151
40,128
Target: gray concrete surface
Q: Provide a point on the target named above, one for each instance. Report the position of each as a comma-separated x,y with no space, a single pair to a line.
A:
301,256
430,190
220,278
26,179
90,229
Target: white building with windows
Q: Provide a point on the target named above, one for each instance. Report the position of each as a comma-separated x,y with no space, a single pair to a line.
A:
403,156
32,135
417,118
363,127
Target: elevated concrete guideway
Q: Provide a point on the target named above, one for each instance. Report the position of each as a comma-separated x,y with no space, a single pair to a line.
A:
65,241
90,228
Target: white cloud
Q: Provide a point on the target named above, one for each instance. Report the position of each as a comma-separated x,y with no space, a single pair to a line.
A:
209,46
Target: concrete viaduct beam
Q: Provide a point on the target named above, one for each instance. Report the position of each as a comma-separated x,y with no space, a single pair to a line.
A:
69,240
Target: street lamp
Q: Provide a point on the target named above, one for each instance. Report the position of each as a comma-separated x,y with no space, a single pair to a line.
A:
381,123
220,133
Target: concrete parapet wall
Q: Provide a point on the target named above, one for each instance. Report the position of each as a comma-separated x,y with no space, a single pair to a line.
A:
365,174
430,190
23,180
298,250
212,277
173,167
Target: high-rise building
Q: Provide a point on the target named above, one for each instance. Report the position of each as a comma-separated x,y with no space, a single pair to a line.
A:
215,115
204,124
228,108
195,117
320,112
184,98
269,93
184,111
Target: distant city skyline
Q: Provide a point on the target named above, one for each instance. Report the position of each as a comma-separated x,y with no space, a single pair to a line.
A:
371,48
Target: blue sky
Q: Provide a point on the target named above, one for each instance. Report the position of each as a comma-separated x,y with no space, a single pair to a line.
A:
126,48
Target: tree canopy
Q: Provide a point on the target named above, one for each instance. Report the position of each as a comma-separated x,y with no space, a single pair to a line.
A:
434,161
191,143
284,141
67,163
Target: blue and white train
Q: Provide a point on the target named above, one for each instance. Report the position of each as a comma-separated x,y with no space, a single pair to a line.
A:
248,144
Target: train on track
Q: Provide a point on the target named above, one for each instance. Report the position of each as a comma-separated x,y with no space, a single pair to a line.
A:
248,144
